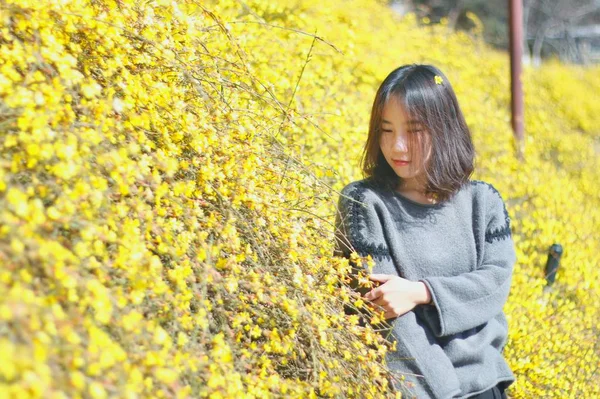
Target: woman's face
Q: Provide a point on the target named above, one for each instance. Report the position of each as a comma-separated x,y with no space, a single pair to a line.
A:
397,132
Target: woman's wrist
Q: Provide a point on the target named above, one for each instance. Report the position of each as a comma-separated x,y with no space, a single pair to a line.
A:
422,296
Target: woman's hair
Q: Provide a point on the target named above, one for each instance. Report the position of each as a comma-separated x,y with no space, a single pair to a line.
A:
433,104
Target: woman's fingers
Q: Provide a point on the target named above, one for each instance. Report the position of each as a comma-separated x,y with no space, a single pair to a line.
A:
382,278
389,315
374,293
382,304
378,304
381,301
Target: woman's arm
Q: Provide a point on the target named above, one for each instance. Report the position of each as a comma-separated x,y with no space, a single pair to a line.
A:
353,222
423,296
470,299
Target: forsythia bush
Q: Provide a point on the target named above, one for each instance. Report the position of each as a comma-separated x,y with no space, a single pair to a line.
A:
168,180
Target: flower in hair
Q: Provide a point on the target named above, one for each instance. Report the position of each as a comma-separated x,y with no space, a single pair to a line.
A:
438,80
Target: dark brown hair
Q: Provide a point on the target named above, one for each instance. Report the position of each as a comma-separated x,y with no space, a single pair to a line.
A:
434,105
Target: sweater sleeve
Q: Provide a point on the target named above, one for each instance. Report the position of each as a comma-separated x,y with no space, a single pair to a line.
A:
343,247
358,228
349,213
470,299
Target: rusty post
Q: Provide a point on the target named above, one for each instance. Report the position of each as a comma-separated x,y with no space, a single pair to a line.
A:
516,53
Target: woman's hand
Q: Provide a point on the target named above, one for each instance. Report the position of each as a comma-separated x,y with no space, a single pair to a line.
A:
397,295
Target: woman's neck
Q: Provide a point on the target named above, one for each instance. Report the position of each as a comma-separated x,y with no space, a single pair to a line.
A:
416,192
412,184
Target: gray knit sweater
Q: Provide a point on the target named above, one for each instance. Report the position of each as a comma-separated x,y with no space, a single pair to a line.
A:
463,251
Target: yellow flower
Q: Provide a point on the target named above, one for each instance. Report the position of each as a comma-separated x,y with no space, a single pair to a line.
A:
166,375
97,390
438,80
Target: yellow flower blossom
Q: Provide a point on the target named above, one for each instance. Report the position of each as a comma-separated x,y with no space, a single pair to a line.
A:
165,189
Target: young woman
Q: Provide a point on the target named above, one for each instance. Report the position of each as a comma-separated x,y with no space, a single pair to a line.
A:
441,242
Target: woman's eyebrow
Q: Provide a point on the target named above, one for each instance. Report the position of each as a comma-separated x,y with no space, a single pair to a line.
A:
410,122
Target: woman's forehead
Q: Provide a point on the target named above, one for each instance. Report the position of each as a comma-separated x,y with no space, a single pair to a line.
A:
394,108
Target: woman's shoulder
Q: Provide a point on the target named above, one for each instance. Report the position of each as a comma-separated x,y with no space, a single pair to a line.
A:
494,208
365,183
485,191
363,190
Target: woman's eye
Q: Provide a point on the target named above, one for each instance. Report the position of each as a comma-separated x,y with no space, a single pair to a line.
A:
387,131
415,131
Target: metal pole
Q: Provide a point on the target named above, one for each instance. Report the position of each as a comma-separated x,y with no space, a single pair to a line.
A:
516,52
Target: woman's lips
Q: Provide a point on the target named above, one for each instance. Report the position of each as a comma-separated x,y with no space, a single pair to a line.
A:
401,163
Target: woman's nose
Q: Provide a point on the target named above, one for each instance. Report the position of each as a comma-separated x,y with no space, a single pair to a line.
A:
400,144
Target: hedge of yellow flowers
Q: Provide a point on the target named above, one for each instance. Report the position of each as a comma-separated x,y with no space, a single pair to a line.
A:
168,181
